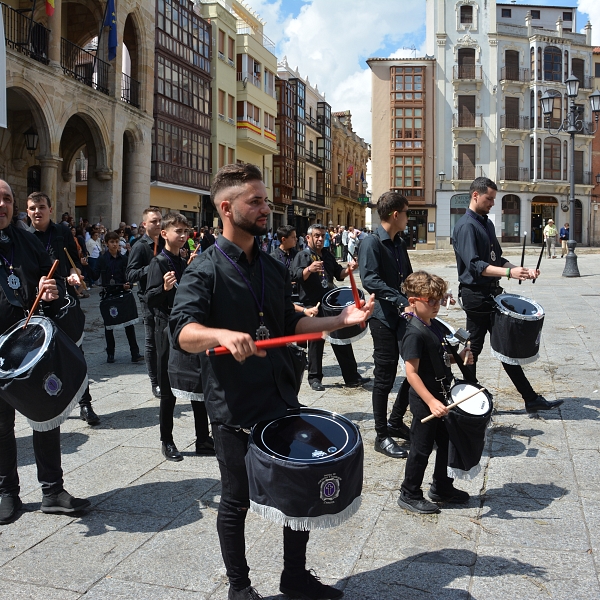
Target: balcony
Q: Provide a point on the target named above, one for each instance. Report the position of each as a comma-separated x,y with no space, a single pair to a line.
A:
583,178
314,123
314,197
312,158
246,77
466,172
84,66
244,29
514,74
586,83
514,174
511,121
25,35
467,72
130,90
467,120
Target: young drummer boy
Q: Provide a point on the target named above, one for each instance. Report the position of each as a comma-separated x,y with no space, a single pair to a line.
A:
164,275
422,344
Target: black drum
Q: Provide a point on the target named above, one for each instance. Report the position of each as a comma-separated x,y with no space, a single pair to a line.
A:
517,329
43,374
305,470
185,375
119,311
71,319
332,304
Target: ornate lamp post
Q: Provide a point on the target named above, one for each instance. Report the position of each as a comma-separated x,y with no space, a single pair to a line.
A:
572,124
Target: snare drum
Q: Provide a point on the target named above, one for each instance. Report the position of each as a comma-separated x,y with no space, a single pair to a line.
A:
43,374
119,311
332,304
305,470
185,375
517,329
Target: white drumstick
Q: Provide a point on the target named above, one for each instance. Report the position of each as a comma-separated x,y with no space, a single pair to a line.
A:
448,299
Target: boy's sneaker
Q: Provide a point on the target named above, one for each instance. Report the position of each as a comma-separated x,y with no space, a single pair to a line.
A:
63,503
307,586
452,496
418,505
9,508
248,593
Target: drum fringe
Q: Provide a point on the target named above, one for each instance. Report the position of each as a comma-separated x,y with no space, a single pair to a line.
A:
191,396
305,523
514,361
64,415
346,342
123,325
466,475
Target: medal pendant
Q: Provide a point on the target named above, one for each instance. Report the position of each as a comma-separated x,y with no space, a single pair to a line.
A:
14,283
324,283
112,282
447,359
493,255
262,333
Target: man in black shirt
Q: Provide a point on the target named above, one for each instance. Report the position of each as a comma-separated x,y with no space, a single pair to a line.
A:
480,267
24,257
384,265
314,269
286,251
231,295
56,238
148,246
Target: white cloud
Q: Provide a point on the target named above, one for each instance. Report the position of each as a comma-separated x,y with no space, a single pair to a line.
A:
592,8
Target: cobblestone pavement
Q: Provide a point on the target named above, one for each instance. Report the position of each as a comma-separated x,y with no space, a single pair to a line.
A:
531,529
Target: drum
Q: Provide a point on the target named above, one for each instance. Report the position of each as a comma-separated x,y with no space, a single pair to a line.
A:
119,311
185,375
517,329
332,304
467,425
305,470
43,374
448,330
71,319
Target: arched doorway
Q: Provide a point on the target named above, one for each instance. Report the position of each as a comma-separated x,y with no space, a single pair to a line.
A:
542,209
511,218
130,78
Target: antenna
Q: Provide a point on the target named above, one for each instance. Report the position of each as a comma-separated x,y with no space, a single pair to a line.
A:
412,48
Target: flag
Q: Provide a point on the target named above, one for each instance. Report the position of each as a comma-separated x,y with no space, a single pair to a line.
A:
350,170
111,21
362,176
49,7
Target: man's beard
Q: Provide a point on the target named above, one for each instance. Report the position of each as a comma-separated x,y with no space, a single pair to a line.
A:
248,226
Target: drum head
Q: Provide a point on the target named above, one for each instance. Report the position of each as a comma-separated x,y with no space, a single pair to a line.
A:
20,348
477,405
313,436
340,297
519,307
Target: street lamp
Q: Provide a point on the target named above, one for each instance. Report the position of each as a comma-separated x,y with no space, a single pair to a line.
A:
31,140
442,178
572,124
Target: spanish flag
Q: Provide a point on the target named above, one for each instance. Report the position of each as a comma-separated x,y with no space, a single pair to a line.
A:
49,7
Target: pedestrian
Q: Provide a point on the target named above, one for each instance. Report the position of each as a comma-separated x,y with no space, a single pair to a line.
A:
344,243
551,235
94,249
564,238
352,241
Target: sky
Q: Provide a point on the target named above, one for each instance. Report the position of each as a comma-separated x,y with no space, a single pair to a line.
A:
330,40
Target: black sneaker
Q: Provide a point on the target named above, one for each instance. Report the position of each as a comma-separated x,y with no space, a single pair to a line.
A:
136,358
402,431
87,414
248,593
452,496
9,508
63,503
205,447
359,382
110,358
170,452
156,391
317,386
418,505
307,586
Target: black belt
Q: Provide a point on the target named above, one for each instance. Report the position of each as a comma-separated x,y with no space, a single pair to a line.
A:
481,287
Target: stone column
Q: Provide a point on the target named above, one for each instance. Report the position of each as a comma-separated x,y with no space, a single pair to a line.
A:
55,34
49,178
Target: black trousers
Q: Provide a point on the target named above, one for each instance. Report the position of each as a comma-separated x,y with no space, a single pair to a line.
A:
343,354
109,334
422,438
231,446
480,320
167,398
46,447
150,344
385,357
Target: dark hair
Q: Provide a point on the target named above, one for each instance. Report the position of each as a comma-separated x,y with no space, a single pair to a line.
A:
233,176
314,226
37,197
481,185
285,231
389,202
111,235
150,209
173,218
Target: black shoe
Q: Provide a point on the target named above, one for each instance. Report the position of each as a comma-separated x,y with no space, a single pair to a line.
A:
63,503
206,447
307,586
170,452
110,358
9,508
418,505
452,496
540,403
317,386
248,593
390,448
402,431
136,358
156,391
86,413
359,382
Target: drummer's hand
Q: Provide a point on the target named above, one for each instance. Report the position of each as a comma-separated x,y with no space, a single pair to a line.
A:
466,353
170,279
522,273
74,279
193,255
315,267
352,265
448,298
49,289
534,273
351,315
437,408
126,286
313,311
241,345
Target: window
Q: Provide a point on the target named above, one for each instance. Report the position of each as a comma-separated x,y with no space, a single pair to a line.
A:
246,111
578,167
511,60
552,64
567,16
566,62
597,69
222,96
512,113
408,83
222,44
408,173
466,111
577,68
230,108
511,215
466,161
466,63
230,50
269,123
269,83
539,64
221,155
230,156
466,14
506,13
408,125
552,166
532,63
511,162
535,14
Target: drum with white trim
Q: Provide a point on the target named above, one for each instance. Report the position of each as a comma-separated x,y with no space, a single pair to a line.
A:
119,311
332,304
185,375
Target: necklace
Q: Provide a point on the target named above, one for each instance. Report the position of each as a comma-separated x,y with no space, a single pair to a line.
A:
492,253
14,283
315,257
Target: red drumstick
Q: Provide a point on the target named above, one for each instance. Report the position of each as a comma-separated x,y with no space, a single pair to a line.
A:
355,293
272,343
40,293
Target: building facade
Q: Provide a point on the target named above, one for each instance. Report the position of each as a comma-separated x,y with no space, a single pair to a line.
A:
494,62
350,155
79,123
595,218
403,147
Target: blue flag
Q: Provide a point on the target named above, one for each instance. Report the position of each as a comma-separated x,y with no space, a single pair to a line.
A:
111,21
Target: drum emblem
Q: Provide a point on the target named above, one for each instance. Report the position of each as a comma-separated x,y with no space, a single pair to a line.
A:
330,488
318,454
52,385
113,311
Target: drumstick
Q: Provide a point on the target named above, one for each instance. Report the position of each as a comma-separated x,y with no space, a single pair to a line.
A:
193,254
40,293
467,350
272,343
355,294
523,253
540,258
74,267
455,404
